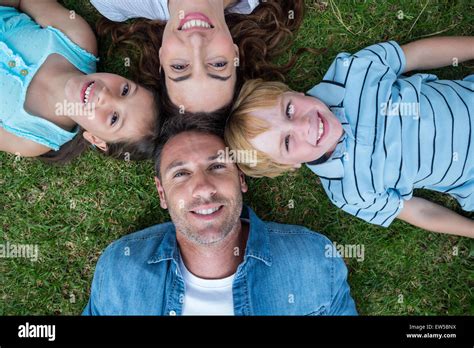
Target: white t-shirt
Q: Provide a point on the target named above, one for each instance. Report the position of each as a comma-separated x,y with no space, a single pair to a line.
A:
207,296
121,10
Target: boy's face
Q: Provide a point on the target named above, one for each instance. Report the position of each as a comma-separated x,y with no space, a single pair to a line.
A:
302,130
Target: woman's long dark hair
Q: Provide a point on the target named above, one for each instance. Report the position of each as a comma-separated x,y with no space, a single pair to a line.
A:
261,36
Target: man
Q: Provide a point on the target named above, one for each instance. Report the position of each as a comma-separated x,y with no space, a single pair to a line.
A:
216,257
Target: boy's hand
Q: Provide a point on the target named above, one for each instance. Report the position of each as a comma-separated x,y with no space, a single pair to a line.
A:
436,218
438,52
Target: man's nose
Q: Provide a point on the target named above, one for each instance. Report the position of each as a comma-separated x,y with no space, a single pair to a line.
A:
203,186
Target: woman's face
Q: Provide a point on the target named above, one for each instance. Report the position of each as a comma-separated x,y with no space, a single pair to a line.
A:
198,56
113,108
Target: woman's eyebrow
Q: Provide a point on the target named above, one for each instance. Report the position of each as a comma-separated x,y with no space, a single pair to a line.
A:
179,79
221,78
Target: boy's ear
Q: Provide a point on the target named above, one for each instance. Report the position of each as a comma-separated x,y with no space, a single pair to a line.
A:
96,141
297,166
161,193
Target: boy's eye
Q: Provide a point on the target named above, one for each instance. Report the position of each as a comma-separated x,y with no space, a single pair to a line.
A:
290,110
287,143
114,119
218,166
125,90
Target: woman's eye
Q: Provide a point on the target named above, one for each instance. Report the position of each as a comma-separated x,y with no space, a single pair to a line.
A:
219,65
287,143
114,119
125,90
290,110
179,67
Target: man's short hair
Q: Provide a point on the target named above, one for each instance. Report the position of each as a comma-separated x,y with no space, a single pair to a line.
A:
206,123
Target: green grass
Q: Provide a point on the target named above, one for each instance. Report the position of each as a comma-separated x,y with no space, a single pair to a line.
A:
74,212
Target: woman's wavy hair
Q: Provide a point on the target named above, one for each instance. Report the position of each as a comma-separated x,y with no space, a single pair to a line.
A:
261,36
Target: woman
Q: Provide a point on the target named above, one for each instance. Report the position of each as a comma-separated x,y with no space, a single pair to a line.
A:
205,48
52,101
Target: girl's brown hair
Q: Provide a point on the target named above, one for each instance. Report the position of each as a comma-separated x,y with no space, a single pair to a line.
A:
136,150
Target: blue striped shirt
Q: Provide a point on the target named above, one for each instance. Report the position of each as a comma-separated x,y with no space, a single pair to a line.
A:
400,133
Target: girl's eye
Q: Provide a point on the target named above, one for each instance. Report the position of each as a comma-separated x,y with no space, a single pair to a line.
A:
179,67
125,90
287,143
289,110
219,65
114,119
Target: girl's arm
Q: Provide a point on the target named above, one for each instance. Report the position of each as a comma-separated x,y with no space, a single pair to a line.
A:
438,52
436,218
51,13
25,148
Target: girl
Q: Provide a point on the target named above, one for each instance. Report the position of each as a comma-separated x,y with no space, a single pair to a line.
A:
51,99
206,47
371,134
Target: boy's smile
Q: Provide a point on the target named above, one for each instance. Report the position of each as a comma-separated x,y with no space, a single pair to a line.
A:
302,129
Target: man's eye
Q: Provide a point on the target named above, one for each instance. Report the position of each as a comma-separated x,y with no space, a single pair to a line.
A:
114,119
179,67
287,143
179,174
125,90
290,109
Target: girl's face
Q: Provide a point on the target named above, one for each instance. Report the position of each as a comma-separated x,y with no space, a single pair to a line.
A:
198,55
302,130
113,108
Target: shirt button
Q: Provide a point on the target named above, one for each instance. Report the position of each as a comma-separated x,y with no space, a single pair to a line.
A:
172,313
24,72
12,64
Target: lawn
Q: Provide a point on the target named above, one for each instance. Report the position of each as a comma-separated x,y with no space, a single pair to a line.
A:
72,213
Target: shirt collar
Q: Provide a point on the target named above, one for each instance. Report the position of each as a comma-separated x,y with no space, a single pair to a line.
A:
258,243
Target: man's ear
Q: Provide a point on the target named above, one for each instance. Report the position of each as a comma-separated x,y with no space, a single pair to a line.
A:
161,193
96,141
243,184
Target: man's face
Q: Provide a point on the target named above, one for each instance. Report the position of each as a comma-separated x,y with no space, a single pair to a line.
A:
203,195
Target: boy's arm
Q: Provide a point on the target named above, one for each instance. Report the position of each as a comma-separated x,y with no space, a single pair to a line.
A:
436,218
51,13
438,52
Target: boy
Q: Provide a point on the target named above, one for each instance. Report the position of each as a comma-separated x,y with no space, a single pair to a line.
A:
371,134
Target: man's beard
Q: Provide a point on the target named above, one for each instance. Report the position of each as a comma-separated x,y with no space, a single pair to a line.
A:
184,226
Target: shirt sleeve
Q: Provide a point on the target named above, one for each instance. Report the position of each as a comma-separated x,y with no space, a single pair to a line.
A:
122,10
389,54
94,304
380,209
341,299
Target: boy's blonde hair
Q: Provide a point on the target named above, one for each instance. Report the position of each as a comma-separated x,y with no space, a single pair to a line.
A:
242,126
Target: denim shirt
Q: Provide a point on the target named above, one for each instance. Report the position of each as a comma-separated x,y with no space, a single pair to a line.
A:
286,270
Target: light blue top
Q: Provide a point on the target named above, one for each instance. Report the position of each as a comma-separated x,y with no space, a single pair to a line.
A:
400,133
287,270
24,46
